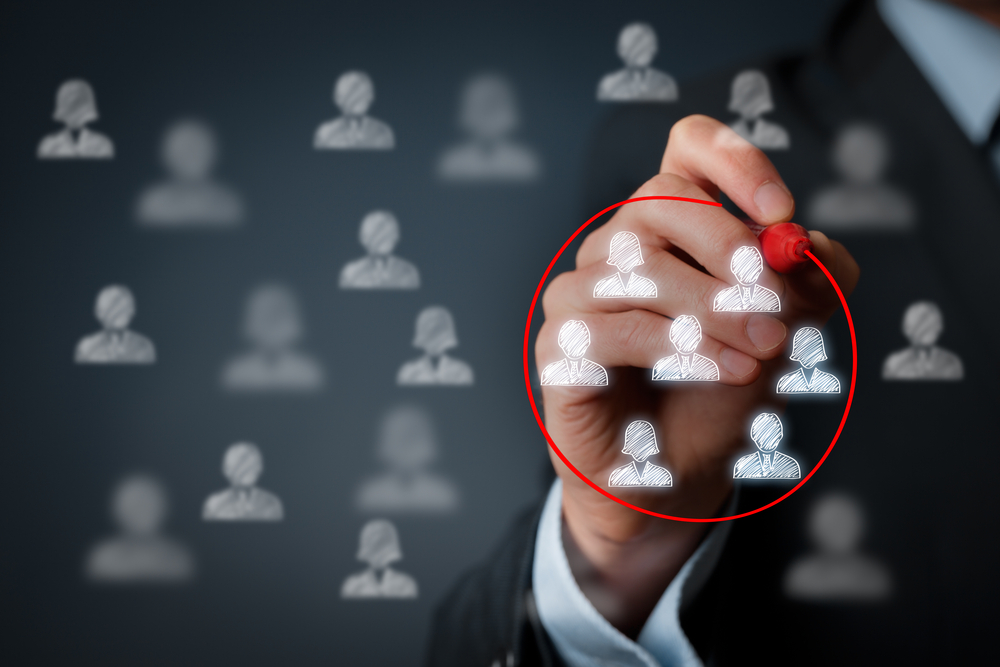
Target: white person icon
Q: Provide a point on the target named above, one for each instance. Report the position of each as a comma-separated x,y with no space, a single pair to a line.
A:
766,463
637,81
435,335
76,107
751,99
116,343
381,269
243,500
379,548
354,130
574,370
625,254
747,297
808,349
923,359
686,364
640,444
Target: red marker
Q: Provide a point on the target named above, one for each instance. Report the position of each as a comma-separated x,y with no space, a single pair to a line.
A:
783,245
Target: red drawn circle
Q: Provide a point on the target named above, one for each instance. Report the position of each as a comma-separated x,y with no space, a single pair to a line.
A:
555,448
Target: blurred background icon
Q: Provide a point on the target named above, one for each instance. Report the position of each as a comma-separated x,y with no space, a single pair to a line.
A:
435,335
923,359
379,548
380,269
76,106
115,343
638,81
243,500
353,94
751,99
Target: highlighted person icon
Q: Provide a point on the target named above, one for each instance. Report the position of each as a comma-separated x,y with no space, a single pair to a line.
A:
923,359
354,129
379,548
747,297
766,463
76,106
686,364
435,334
116,343
637,81
574,370
381,269
808,349
640,444
751,99
243,500
625,255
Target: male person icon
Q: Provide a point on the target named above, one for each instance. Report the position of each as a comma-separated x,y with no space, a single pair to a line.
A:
435,334
747,297
116,344
243,501
574,370
75,107
625,254
380,269
808,349
923,360
379,547
766,463
686,364
354,130
640,444
751,99
637,81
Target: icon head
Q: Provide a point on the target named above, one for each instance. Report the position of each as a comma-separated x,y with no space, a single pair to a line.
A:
407,441
75,104
379,233
139,505
379,544
751,95
640,441
272,320
766,432
115,307
242,464
837,524
637,45
861,153
574,339
189,150
685,333
923,323
354,93
625,252
807,347
488,107
435,331
747,264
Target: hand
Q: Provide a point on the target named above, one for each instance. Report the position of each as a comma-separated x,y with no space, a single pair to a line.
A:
624,559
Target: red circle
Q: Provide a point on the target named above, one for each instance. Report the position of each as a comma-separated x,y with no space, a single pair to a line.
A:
555,448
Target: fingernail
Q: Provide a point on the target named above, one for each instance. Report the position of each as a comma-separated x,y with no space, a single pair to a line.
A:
765,332
736,362
773,201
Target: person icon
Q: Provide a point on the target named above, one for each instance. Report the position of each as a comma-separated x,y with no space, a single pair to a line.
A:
435,334
273,326
574,370
76,106
838,573
640,444
923,360
861,201
379,547
686,364
116,343
489,115
766,463
637,81
189,198
354,129
808,349
747,297
625,254
751,99
243,501
139,554
380,269
407,446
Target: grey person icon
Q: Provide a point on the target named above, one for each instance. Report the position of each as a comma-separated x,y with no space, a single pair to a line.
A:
139,554
747,297
407,447
189,198
489,116
574,370
625,255
766,463
923,359
837,572
435,335
116,343
76,107
638,81
243,500
751,99
640,444
380,269
686,364
808,349
379,548
273,326
353,94
861,201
